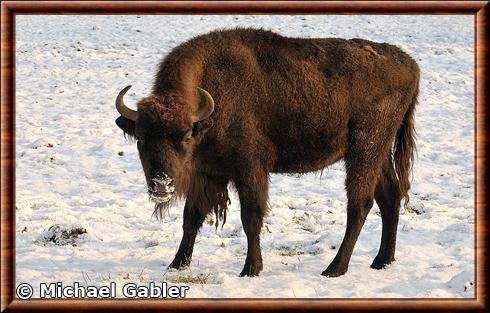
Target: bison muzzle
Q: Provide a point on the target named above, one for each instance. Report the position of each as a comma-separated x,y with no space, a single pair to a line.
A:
233,106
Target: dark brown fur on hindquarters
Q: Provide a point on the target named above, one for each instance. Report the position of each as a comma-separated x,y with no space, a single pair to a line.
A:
280,105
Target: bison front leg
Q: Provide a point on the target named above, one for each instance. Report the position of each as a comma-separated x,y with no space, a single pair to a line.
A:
193,220
252,223
253,205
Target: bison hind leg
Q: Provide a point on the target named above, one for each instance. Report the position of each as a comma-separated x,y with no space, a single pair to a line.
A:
367,151
388,197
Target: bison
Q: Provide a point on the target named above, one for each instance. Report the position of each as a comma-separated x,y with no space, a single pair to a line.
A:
233,106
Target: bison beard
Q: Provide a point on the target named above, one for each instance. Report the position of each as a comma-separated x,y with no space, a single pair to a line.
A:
162,194
207,195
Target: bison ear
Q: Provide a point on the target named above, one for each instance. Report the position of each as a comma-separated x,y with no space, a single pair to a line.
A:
200,128
126,125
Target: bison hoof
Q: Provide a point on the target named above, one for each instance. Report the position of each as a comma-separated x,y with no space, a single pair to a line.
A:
379,263
251,269
332,271
179,264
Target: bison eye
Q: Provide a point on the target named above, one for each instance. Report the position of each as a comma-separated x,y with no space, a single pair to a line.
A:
167,101
138,137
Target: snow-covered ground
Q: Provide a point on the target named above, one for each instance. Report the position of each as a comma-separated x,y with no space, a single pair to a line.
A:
75,167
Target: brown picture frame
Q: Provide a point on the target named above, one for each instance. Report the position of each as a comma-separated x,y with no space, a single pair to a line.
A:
9,9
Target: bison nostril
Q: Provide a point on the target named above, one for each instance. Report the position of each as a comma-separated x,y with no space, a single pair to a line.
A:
160,175
162,180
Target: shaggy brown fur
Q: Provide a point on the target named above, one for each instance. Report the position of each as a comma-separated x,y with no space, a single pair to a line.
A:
282,105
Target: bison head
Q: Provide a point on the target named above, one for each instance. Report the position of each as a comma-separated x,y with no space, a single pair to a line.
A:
167,129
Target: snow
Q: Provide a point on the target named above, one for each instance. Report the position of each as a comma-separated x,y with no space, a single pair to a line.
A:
74,167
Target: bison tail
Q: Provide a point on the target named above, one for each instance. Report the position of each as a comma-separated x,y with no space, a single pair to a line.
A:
404,149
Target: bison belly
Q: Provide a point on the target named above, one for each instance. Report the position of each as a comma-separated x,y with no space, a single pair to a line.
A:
302,151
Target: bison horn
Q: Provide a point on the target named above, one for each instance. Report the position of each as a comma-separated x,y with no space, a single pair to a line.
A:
126,112
206,106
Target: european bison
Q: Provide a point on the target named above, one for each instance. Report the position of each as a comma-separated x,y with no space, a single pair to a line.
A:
233,106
